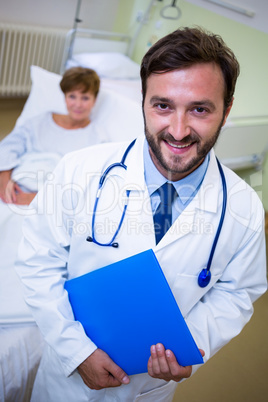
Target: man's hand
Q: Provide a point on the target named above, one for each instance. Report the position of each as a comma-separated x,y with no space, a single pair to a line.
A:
99,371
163,364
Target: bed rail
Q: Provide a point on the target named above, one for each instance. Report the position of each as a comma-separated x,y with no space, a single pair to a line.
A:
243,143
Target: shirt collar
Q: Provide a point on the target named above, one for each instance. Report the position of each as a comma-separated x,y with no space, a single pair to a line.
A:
186,187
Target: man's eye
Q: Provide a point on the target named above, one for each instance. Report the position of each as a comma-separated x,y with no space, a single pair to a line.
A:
200,109
162,106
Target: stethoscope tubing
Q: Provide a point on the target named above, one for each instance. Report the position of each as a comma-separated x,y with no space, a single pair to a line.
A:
101,183
224,203
205,275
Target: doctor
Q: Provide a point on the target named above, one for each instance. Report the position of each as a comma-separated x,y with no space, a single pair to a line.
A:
188,82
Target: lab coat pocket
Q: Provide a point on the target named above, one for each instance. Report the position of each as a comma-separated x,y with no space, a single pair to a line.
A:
187,292
164,393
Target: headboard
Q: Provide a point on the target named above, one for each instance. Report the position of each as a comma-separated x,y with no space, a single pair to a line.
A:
81,40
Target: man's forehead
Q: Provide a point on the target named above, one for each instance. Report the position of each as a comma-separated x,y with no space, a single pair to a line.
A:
198,77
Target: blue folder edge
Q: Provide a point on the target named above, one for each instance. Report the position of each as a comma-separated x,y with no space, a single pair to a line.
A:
128,306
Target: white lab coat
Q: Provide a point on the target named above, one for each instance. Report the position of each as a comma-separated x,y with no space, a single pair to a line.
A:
55,248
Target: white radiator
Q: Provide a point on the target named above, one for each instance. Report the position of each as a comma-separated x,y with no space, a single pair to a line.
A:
22,46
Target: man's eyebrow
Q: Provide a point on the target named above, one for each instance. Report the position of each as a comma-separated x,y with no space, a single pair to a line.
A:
160,99
204,102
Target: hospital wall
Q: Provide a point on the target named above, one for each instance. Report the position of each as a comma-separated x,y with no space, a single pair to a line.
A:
94,14
249,45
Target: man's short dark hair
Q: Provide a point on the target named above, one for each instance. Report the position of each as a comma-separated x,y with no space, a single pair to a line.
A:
186,47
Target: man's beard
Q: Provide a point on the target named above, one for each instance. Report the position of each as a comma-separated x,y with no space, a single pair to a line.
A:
175,165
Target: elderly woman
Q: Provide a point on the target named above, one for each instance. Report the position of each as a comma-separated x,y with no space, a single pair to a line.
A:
49,136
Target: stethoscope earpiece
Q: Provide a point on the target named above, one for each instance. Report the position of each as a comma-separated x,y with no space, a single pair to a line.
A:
204,278
89,238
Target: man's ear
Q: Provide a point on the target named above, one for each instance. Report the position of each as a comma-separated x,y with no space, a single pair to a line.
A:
228,111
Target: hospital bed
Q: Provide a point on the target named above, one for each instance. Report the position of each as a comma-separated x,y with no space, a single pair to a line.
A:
120,117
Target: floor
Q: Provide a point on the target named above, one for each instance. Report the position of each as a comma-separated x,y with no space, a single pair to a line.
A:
239,371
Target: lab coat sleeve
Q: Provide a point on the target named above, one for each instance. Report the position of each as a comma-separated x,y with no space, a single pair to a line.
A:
42,267
224,310
13,146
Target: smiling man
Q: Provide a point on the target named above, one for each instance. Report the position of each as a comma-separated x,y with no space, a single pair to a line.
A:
184,112
167,188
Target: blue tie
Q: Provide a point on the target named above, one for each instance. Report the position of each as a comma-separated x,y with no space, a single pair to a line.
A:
163,214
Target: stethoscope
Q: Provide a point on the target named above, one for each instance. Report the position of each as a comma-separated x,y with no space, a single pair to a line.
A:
205,275
92,238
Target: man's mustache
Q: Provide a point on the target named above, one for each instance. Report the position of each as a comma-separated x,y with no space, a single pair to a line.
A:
166,136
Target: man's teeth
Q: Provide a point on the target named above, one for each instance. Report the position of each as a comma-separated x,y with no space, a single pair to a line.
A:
178,146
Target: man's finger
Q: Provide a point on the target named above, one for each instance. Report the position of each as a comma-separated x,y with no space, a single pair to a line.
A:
154,363
118,373
162,359
175,369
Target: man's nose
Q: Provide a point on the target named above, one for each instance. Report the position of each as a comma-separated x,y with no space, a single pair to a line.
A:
179,126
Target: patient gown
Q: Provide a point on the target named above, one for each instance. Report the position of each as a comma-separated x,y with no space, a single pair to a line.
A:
41,134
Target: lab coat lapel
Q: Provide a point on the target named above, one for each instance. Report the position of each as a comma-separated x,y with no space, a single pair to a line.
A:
139,208
138,223
134,175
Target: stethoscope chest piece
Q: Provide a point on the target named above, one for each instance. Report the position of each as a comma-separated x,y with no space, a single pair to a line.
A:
204,278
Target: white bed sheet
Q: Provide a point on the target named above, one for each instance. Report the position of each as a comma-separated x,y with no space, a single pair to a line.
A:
21,343
13,309
20,351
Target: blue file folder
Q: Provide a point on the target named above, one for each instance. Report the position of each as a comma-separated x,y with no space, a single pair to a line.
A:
128,306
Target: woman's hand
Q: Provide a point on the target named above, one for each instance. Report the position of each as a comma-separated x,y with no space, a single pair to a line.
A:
5,177
11,192
20,197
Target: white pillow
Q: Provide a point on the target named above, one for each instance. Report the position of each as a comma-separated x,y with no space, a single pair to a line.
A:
45,95
108,64
119,118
